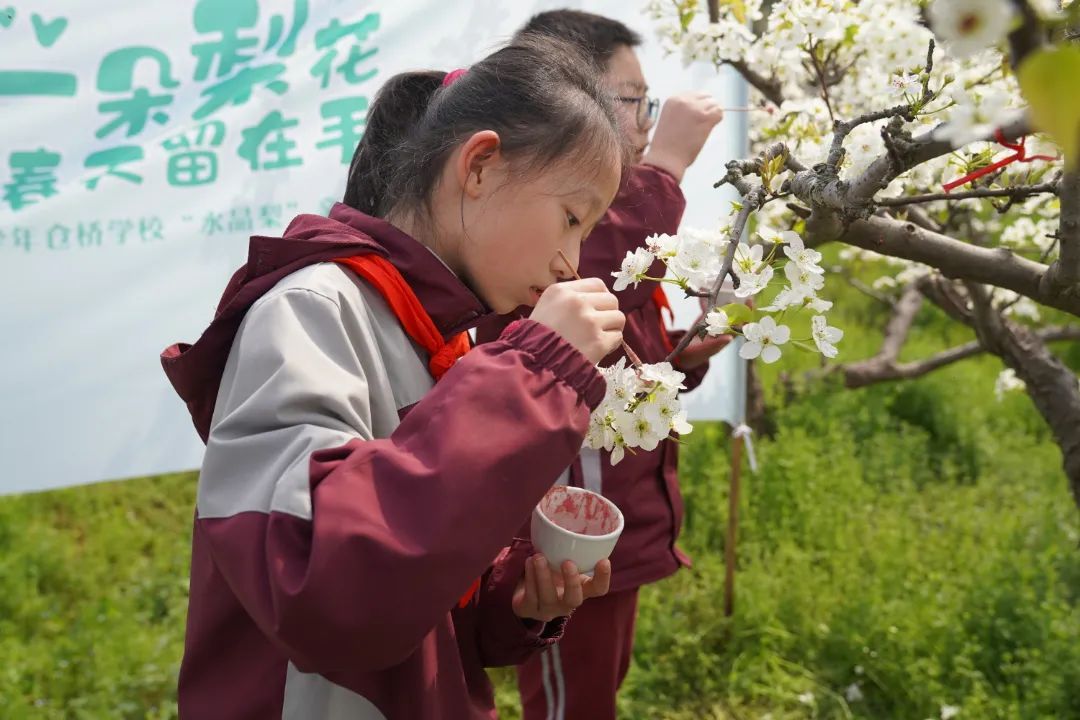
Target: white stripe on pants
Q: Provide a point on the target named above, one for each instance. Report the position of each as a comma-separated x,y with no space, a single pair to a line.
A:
554,684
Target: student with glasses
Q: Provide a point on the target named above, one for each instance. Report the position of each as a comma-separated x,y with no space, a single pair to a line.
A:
580,675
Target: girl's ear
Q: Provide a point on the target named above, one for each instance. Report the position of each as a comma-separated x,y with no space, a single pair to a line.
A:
474,161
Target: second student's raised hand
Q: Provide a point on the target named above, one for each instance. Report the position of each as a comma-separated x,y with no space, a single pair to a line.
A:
684,125
546,593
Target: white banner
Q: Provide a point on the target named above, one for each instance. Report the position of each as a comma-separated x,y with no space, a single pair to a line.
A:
142,143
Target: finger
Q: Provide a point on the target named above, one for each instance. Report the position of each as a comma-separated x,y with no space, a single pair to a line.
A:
545,585
604,301
600,582
572,592
611,320
527,605
521,592
532,584
591,285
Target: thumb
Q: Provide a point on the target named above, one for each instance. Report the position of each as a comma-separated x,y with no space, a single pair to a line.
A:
517,600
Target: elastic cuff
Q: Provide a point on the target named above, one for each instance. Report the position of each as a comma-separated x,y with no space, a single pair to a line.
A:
554,353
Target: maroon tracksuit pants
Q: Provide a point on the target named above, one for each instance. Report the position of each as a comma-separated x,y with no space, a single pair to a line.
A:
577,678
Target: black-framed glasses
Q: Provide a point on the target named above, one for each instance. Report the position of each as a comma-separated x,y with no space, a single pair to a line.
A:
647,109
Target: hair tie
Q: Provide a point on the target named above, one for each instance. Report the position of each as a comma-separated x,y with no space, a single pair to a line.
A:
452,76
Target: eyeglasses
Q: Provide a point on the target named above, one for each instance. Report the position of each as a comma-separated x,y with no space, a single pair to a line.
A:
647,109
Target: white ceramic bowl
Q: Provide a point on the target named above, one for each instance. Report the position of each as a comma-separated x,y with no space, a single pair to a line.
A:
575,524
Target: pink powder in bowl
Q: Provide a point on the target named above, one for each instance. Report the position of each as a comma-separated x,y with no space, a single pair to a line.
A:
584,513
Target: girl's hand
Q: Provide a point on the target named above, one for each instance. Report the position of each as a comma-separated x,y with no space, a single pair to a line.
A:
544,594
585,314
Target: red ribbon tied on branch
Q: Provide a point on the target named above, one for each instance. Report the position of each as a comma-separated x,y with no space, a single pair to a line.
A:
1019,155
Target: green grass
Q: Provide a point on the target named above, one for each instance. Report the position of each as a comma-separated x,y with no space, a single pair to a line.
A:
916,540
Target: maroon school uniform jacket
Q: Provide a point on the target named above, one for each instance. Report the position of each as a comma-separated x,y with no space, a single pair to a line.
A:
644,485
347,501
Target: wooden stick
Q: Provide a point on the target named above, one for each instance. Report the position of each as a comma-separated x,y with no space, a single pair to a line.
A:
733,526
626,348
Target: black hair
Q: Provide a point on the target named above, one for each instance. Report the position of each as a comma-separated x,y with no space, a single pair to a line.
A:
541,95
598,36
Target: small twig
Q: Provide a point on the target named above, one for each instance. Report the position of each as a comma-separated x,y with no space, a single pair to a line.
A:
842,129
626,348
869,291
929,69
1015,192
820,71
890,146
768,87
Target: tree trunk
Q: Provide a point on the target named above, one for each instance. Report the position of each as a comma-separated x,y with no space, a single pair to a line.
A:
1052,386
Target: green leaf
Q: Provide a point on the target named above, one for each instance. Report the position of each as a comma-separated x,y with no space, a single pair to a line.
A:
738,313
1048,82
687,10
738,9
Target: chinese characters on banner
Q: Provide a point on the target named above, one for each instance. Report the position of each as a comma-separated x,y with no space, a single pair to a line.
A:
142,144
237,54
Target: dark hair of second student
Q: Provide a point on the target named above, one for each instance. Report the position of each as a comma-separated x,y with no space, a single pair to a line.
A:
598,36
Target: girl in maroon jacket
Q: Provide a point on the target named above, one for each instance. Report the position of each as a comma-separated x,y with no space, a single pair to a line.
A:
358,482
579,677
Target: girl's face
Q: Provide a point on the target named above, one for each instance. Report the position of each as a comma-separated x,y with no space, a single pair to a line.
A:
508,226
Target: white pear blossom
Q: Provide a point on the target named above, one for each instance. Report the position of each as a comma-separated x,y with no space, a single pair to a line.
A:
641,408
634,267
1007,382
970,26
696,262
664,374
948,712
863,146
748,260
787,297
905,85
663,246
806,258
778,237
668,412
679,423
717,323
752,284
763,339
825,337
640,431
803,281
